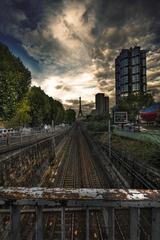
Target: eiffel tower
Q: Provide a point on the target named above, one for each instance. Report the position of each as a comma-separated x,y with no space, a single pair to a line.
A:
80,114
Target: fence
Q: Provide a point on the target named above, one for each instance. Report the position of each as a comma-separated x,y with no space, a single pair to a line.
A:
13,201
18,139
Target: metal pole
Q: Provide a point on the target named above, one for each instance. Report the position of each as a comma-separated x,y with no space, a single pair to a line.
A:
63,223
53,127
135,224
109,137
20,137
155,223
105,216
15,223
7,138
39,223
87,224
111,224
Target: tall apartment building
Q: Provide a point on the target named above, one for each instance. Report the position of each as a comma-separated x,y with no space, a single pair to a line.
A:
102,104
130,72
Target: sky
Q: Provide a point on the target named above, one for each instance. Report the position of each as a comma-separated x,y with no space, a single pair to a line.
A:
70,45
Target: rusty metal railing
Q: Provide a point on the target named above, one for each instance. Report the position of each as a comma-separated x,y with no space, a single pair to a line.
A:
14,200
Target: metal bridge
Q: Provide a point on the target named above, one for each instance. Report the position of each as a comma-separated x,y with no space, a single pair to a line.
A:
19,201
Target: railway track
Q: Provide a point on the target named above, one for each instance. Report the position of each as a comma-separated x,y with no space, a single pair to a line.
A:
76,166
140,181
136,179
77,171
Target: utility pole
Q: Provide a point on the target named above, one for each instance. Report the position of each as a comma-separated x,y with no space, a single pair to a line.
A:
52,127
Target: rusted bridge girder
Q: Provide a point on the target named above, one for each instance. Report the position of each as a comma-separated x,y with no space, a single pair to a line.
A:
131,196
108,200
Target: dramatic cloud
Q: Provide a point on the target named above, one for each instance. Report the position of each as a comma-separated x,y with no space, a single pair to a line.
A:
75,42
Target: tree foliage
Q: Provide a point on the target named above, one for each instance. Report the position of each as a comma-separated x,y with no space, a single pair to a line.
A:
70,116
21,104
22,116
37,109
15,80
134,103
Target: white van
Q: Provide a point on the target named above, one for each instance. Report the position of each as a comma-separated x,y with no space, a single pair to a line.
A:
3,132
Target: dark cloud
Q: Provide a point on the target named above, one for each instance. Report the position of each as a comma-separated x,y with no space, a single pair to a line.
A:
63,87
70,37
59,87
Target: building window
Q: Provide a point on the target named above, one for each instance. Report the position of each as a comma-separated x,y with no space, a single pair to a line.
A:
135,87
135,51
125,79
135,78
125,62
126,70
135,69
135,60
126,88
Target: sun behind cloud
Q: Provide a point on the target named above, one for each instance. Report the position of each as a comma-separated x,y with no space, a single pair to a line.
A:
67,88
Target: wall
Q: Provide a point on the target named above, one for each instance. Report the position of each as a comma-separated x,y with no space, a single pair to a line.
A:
26,166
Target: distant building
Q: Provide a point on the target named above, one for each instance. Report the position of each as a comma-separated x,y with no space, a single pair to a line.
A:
106,104
102,104
130,73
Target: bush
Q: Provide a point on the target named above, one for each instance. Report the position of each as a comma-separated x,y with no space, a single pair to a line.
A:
98,126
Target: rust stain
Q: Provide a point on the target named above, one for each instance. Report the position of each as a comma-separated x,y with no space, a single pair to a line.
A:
152,194
78,194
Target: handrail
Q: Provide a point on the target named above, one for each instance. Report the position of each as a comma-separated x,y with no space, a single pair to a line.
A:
108,196
14,200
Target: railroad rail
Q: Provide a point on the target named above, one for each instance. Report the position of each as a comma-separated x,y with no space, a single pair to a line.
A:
75,169
138,175
41,200
80,167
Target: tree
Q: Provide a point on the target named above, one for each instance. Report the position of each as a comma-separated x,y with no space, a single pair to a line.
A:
134,103
15,81
70,116
22,116
37,108
60,112
38,105
44,109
